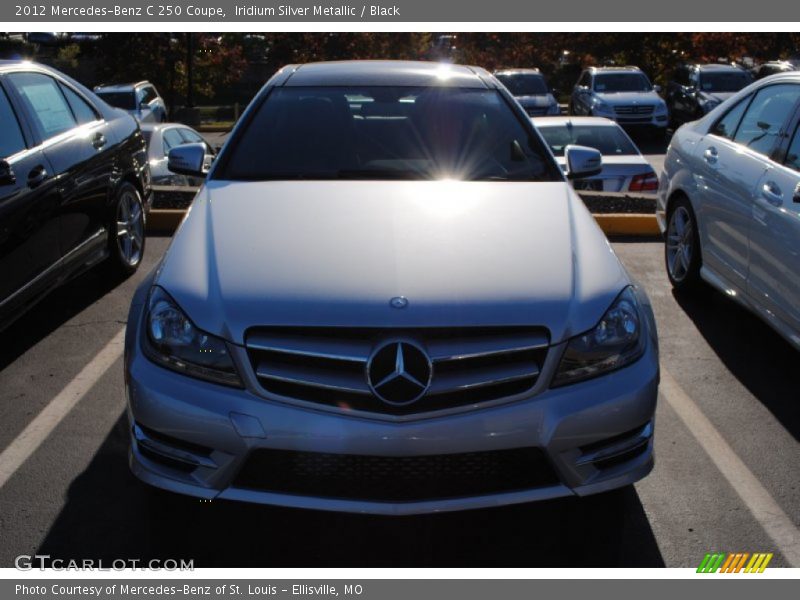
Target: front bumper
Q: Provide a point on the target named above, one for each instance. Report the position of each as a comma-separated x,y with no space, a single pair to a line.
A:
193,437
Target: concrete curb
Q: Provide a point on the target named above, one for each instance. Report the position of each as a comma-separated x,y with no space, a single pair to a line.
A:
166,220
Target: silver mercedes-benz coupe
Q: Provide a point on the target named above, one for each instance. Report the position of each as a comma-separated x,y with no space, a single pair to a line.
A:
386,298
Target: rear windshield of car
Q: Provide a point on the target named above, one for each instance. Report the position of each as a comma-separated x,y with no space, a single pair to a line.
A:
621,82
417,133
524,84
124,100
610,141
724,81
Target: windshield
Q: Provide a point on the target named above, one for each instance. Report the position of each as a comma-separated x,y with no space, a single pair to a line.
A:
609,141
724,81
385,133
524,84
621,82
125,100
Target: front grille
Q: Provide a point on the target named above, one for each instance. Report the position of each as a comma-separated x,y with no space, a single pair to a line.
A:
634,109
328,365
395,478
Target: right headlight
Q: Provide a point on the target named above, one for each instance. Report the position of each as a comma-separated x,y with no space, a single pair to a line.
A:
171,340
616,341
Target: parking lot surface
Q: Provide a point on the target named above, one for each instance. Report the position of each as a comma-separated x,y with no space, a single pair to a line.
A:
726,475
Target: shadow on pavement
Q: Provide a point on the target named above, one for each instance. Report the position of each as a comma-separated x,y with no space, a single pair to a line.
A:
110,515
758,357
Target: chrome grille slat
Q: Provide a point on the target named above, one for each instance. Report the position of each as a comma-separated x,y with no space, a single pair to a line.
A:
474,378
634,109
328,366
321,378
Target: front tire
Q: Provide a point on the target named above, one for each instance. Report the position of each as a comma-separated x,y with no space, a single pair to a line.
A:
682,246
126,231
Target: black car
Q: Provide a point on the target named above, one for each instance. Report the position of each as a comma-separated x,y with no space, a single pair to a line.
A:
74,185
771,68
696,89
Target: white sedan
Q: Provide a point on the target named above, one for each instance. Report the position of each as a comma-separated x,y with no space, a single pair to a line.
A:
624,167
729,202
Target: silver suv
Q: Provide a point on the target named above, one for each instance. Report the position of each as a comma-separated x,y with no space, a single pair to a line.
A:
624,94
141,100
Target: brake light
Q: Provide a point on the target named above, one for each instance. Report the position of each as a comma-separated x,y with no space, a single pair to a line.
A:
644,182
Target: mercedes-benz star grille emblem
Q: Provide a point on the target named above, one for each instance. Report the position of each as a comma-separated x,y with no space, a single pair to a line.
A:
399,372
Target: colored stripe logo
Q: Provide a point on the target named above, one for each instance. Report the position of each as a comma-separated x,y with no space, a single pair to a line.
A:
739,562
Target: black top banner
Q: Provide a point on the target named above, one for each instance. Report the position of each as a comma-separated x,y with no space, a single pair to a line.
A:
285,11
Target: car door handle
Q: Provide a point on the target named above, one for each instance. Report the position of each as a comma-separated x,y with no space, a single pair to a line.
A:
37,176
98,141
711,156
772,193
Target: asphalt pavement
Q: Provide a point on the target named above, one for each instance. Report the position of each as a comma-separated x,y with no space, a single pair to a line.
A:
726,475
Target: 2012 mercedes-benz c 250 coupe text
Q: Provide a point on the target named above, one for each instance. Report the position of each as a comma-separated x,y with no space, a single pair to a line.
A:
386,298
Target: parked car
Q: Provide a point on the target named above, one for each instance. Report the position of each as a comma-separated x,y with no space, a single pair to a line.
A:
624,167
172,190
623,94
772,67
729,202
141,100
531,90
386,298
694,90
74,185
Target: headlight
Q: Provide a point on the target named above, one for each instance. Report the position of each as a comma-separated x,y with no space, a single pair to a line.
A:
661,108
616,341
600,106
709,105
172,341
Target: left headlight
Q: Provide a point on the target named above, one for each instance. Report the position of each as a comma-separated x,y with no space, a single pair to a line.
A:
173,341
616,341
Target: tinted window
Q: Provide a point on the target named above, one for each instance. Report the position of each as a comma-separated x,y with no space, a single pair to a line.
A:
191,137
764,119
148,94
386,133
123,100
82,111
585,79
524,84
793,155
726,126
11,141
682,76
610,141
621,82
51,113
172,138
723,81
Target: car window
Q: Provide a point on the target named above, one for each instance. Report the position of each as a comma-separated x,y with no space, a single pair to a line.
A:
682,76
190,137
11,141
123,100
585,79
764,119
383,133
723,81
49,109
172,138
608,140
148,94
793,155
727,124
80,108
523,84
621,82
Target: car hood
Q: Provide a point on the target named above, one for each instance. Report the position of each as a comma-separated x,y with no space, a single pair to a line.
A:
629,97
717,96
334,253
537,101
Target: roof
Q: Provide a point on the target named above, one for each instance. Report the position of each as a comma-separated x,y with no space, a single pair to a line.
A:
518,72
563,120
119,87
628,69
717,67
388,72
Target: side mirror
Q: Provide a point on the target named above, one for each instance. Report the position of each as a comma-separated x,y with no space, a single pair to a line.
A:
582,161
7,176
657,89
187,160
